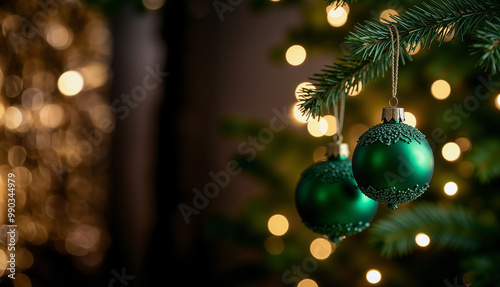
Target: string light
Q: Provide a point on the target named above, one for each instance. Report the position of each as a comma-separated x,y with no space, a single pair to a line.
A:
497,102
317,128
422,239
299,90
331,125
70,83
373,276
386,15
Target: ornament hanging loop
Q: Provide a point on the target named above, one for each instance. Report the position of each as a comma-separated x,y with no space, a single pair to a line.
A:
393,105
394,63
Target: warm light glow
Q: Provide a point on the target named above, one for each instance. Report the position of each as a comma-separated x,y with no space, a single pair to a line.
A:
413,52
354,91
422,239
373,276
304,85
451,151
450,188
70,83
317,128
153,4
320,248
334,5
295,55
274,245
497,102
410,119
448,37
58,36
13,118
51,115
277,224
463,143
332,125
307,283
297,114
337,17
385,15
440,89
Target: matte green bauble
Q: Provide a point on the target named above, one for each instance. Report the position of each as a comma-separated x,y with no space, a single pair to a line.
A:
393,163
329,202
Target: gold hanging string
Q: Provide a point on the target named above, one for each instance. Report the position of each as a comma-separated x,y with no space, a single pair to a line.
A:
394,54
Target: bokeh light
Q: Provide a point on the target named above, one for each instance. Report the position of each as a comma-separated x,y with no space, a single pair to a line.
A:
321,248
317,128
386,15
337,17
298,115
422,239
70,83
497,102
450,151
274,245
440,89
331,125
464,144
410,119
373,276
153,4
277,224
58,36
295,55
450,188
299,90
307,283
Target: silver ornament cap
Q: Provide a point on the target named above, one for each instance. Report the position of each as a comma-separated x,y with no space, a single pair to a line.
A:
337,150
393,113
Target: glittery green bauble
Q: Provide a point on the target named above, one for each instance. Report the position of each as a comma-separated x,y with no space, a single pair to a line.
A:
393,163
329,202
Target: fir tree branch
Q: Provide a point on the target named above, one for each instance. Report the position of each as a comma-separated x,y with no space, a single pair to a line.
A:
370,44
447,226
486,46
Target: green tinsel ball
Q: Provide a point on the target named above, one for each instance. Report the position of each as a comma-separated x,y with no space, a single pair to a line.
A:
393,163
329,202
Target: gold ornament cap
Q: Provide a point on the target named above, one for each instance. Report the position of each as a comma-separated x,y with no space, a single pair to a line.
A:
393,114
337,150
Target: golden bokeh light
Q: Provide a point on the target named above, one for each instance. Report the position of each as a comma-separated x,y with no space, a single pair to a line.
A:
321,248
354,91
277,224
497,102
70,83
13,117
386,15
440,89
422,240
317,128
373,276
58,36
337,17
298,116
451,151
464,144
295,55
410,119
450,188
413,51
299,90
307,283
51,115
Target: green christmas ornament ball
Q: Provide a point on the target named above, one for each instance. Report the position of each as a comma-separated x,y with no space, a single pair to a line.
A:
392,162
329,202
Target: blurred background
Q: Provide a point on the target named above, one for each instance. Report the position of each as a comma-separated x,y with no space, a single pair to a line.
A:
159,142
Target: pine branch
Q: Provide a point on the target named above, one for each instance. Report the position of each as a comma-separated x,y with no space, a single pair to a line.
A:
447,226
370,44
485,48
486,159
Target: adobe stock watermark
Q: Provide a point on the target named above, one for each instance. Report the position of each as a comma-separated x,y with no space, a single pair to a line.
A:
121,279
223,6
221,179
121,108
36,25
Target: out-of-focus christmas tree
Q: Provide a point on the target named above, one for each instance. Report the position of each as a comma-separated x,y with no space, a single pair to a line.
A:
448,237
